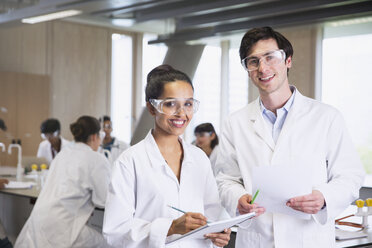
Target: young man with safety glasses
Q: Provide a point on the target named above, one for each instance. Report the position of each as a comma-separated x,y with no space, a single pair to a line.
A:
284,128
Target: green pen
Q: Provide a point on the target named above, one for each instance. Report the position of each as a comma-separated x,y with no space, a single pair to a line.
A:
254,197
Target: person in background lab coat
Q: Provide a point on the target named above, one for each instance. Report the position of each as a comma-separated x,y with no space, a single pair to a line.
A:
77,182
283,127
160,171
207,140
112,144
53,142
4,241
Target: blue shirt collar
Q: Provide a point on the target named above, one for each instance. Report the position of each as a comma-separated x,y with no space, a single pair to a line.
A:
287,106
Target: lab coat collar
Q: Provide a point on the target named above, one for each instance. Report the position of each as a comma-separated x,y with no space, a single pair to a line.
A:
154,154
82,146
258,121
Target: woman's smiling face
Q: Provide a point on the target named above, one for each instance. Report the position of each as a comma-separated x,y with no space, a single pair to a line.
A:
174,124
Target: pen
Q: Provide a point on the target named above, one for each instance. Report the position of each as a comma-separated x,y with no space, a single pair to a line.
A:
254,197
179,210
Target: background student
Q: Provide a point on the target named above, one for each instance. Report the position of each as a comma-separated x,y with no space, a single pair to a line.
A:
77,183
161,171
110,143
207,140
53,142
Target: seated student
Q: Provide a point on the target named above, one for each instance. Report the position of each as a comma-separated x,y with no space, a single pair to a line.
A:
77,182
53,142
161,171
4,241
207,140
112,144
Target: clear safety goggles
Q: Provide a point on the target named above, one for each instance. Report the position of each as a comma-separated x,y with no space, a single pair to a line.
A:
172,106
269,58
107,126
49,135
203,134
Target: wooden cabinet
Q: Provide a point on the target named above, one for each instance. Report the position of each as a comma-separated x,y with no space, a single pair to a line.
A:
24,104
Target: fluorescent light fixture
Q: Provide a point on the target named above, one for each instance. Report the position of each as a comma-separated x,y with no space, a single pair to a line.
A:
351,21
51,16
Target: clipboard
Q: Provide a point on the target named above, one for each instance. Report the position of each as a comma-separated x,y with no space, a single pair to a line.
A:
213,227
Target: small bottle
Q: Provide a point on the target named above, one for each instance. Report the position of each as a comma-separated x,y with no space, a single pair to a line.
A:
44,173
35,174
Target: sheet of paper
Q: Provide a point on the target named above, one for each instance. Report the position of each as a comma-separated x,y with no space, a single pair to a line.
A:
19,185
217,226
347,235
277,184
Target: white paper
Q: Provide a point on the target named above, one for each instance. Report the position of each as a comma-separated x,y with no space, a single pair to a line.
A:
19,185
347,235
278,184
217,226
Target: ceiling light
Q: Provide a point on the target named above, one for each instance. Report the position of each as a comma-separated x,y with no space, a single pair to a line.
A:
52,16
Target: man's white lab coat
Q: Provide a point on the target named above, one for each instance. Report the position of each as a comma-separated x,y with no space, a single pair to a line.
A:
143,185
76,183
118,147
314,137
45,149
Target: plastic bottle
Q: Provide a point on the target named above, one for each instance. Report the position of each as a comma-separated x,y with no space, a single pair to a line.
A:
35,174
44,173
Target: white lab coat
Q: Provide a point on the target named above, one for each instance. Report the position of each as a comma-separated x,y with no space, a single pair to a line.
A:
142,185
76,183
118,147
213,159
313,133
45,149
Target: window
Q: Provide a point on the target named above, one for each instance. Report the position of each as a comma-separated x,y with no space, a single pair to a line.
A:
346,84
238,82
207,85
121,86
153,55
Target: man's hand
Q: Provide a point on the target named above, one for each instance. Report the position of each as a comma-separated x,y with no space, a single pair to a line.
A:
245,207
3,182
220,239
310,204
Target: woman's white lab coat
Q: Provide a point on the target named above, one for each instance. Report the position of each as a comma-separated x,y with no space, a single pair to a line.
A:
313,137
76,183
45,149
213,159
143,185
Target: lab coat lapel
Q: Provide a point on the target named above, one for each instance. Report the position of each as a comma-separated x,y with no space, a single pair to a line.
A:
259,126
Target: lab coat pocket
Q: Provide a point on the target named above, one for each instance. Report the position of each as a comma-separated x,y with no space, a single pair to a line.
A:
248,238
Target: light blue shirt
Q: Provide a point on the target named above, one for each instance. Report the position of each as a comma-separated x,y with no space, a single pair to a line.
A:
275,122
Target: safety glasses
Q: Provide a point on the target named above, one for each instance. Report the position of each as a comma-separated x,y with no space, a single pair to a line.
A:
172,106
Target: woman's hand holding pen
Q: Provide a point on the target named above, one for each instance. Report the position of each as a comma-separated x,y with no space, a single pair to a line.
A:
186,223
220,239
245,206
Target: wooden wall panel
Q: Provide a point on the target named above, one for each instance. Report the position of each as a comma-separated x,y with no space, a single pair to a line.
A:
26,98
80,72
33,108
8,103
23,48
302,73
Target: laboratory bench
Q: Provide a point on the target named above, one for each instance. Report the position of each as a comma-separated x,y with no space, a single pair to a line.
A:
16,206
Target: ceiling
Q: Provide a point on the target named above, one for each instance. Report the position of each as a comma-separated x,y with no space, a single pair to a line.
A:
188,20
